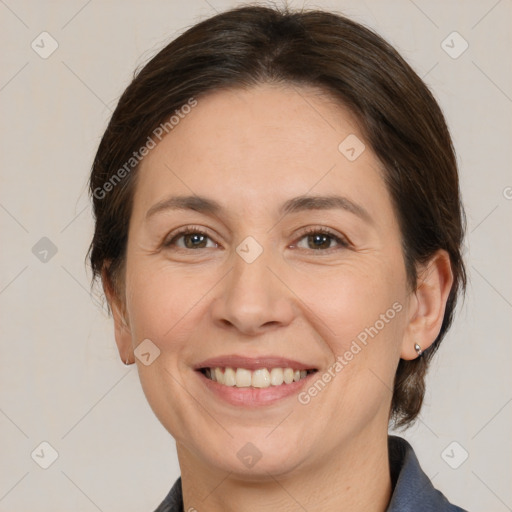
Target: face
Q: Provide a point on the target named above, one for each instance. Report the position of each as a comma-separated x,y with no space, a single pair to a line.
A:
265,281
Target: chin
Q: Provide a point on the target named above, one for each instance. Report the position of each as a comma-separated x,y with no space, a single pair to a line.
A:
253,457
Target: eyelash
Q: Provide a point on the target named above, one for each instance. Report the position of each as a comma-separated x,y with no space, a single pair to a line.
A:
193,230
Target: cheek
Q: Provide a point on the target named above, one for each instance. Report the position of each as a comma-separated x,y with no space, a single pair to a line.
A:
162,305
359,313
360,317
160,301
348,300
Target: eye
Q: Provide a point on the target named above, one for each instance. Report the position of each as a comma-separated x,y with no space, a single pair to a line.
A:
320,239
193,238
317,239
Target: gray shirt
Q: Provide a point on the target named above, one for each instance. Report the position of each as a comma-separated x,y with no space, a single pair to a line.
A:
412,489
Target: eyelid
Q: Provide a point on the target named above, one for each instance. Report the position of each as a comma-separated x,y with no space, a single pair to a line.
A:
341,239
184,230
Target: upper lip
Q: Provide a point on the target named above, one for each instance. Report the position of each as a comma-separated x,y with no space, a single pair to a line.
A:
252,363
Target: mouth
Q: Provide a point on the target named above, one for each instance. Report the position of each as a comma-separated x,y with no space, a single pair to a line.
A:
257,381
257,378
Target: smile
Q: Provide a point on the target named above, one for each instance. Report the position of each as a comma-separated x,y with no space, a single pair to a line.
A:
258,378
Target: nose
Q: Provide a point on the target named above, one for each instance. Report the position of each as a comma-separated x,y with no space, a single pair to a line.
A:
253,298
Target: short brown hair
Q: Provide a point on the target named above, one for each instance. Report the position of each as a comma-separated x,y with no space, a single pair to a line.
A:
397,114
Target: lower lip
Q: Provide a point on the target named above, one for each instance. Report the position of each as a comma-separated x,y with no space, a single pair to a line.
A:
253,397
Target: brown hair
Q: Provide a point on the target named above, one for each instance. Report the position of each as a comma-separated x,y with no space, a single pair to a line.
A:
397,113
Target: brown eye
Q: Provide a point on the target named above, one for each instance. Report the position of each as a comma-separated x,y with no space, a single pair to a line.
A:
192,239
321,240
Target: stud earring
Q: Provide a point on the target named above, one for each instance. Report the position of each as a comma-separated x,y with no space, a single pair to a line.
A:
418,349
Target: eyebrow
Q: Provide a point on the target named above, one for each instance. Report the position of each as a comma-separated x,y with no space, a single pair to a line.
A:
293,205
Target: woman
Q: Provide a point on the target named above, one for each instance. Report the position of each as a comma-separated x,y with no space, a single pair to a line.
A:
278,233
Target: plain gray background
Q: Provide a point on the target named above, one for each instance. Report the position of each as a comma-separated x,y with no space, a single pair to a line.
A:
61,380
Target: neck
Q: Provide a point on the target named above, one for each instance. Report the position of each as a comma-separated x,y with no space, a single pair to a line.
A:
351,479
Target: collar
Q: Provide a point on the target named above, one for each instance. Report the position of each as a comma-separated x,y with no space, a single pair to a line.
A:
412,489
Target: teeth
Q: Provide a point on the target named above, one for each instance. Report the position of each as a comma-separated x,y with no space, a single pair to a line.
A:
243,378
229,377
276,376
288,375
260,378
219,376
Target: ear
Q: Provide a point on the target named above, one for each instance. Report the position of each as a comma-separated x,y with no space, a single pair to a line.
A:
428,304
121,326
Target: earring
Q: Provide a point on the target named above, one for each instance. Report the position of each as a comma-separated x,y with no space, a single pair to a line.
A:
418,349
127,362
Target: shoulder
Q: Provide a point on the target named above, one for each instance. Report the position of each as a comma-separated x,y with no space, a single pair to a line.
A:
413,490
173,502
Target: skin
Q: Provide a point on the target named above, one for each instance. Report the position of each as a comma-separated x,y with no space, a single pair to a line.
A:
251,150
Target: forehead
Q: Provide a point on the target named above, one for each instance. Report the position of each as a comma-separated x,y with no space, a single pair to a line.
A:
252,147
